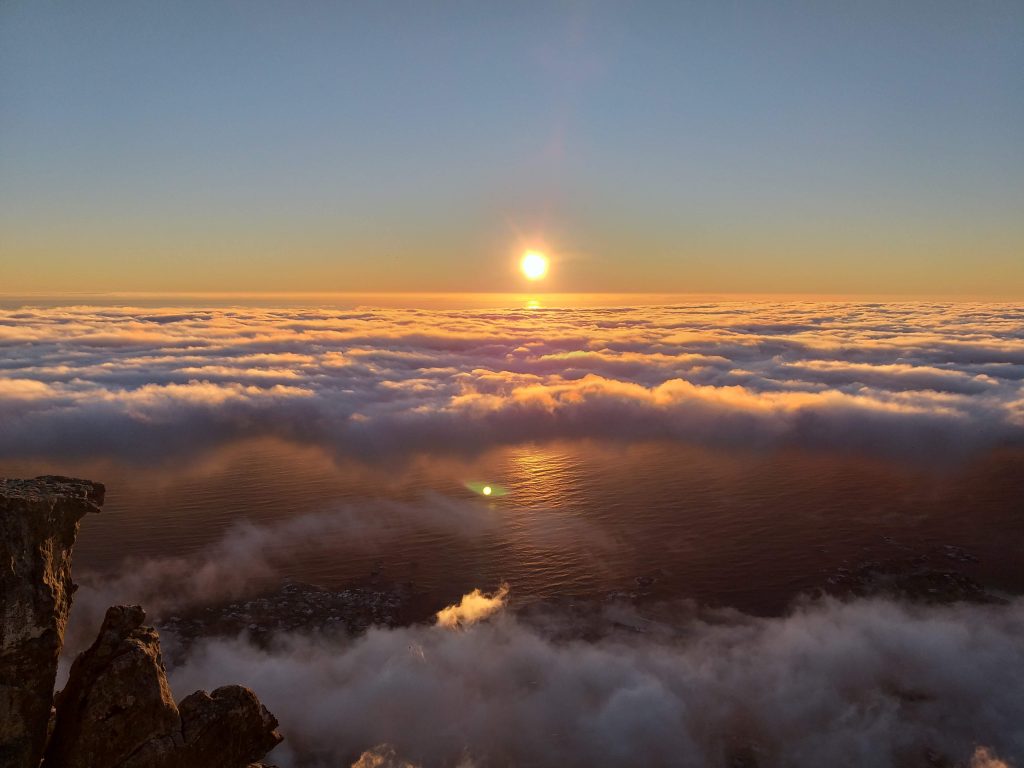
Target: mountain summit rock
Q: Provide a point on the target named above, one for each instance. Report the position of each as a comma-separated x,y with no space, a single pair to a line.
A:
117,710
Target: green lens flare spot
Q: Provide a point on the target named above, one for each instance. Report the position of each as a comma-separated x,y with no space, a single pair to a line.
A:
490,490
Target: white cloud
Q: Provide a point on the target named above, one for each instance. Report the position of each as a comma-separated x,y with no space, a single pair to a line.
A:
918,379
863,683
472,608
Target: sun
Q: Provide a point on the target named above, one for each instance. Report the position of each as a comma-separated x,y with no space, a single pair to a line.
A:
534,265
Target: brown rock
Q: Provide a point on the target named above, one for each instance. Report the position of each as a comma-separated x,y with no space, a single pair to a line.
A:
38,525
117,710
116,699
229,724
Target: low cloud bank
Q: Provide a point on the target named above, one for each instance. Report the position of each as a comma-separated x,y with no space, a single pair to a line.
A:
839,684
917,379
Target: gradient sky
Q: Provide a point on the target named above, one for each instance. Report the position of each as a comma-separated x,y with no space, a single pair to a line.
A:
790,147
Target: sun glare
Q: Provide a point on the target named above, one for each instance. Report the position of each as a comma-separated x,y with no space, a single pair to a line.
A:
534,265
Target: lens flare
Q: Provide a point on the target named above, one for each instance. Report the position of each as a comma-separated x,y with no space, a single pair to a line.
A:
491,490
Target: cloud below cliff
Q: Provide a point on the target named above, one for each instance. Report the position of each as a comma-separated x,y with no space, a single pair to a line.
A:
862,683
472,608
251,557
913,379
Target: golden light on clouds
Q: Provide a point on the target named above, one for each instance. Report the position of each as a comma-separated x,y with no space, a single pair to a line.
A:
534,265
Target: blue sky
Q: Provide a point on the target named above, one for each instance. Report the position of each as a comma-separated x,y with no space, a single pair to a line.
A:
868,147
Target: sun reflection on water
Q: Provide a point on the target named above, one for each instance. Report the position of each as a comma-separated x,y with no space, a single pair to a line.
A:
541,476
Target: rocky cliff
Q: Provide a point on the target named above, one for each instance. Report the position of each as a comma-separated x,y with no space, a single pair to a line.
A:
116,710
38,524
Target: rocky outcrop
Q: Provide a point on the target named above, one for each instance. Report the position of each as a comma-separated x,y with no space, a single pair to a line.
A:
38,525
116,698
116,710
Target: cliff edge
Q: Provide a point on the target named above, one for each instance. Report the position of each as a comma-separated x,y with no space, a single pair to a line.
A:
116,710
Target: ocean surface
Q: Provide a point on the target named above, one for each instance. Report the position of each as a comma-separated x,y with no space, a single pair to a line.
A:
747,530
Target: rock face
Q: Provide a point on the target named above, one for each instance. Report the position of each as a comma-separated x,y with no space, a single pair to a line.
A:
116,710
116,698
38,524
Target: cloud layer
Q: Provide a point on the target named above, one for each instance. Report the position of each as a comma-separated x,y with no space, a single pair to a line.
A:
920,379
837,684
869,682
